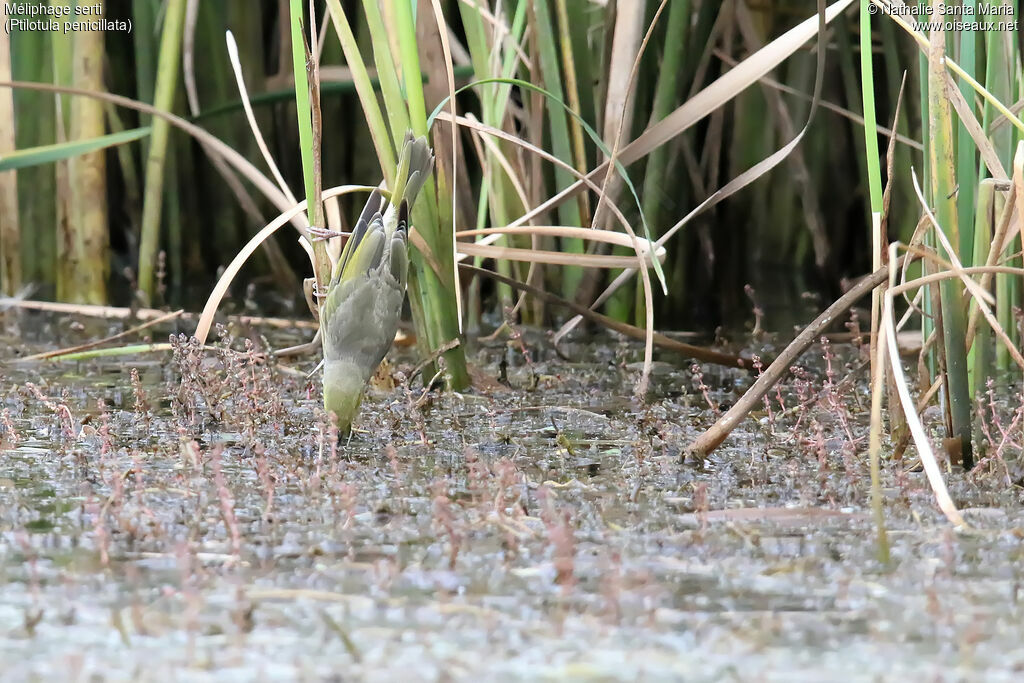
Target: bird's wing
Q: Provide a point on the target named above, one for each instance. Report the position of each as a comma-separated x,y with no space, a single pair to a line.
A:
373,207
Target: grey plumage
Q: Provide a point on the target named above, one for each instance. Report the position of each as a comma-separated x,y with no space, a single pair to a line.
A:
362,309
361,312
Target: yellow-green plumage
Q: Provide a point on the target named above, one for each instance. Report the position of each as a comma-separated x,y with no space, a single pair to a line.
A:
360,315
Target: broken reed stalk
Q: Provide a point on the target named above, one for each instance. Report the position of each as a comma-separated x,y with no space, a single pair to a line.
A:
718,432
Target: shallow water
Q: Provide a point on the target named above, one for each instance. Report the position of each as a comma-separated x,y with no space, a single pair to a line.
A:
540,529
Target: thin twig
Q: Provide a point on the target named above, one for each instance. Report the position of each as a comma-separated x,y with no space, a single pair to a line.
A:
100,342
443,349
119,312
688,350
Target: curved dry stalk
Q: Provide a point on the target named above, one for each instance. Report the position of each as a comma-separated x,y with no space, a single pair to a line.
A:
973,127
479,141
623,119
949,273
210,143
621,125
243,93
504,162
594,235
617,140
924,450
471,123
612,206
916,239
716,94
730,188
213,301
517,183
241,194
554,258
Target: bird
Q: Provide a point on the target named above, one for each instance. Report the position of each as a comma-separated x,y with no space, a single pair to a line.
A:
360,313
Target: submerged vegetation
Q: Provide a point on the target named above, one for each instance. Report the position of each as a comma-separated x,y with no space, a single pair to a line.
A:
197,517
572,498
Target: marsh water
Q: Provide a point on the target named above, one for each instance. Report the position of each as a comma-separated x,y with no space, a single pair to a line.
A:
190,516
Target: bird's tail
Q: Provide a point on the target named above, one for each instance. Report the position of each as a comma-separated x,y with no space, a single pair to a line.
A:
414,166
382,231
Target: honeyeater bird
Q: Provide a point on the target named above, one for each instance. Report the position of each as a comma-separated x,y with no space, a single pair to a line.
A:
360,313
